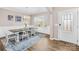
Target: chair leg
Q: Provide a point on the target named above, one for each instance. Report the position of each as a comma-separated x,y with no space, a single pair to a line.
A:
1,46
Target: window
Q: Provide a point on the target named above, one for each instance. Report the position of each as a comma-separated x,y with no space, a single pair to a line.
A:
26,20
40,21
67,22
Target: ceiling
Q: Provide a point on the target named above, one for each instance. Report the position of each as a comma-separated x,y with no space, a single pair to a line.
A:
28,10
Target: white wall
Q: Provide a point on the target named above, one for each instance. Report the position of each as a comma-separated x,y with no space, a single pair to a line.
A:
53,24
4,18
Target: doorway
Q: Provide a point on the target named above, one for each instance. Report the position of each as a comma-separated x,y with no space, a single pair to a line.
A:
68,25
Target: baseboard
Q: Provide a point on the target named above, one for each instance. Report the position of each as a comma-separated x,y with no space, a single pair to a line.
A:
53,38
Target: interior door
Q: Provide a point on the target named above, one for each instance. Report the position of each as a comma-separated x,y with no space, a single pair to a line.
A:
67,29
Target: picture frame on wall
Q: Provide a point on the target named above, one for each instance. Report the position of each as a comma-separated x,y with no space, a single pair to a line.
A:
10,17
18,18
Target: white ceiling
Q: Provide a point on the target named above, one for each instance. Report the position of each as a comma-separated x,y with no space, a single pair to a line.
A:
28,10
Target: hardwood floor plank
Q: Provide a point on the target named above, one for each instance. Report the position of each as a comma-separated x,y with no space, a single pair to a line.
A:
45,44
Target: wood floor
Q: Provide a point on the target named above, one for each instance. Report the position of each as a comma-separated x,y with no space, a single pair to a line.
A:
45,44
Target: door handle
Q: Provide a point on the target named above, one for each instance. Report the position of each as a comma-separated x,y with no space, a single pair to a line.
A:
59,24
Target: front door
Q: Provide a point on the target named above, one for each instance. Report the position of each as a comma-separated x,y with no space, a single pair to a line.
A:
67,29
